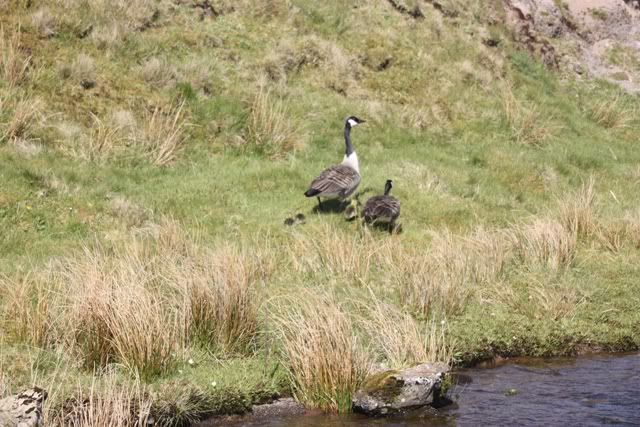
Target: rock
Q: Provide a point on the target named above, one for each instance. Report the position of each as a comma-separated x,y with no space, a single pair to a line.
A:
532,22
279,408
395,391
24,409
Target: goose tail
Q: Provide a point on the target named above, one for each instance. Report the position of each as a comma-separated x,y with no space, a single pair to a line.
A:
311,192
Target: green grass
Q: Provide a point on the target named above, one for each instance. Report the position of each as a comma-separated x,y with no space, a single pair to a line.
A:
473,137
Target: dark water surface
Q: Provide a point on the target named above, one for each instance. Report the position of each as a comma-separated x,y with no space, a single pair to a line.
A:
587,391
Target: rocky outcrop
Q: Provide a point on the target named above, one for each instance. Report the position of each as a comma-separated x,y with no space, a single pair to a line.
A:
532,22
598,39
395,391
24,409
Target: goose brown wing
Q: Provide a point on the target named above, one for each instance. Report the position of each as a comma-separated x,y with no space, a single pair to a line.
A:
338,179
381,206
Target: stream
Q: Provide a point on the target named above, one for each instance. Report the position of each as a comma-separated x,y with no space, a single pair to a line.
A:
586,391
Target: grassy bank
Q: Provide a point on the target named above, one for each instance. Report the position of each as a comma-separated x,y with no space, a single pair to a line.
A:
150,152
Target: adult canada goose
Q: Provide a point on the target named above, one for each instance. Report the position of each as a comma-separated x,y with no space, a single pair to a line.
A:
339,181
383,208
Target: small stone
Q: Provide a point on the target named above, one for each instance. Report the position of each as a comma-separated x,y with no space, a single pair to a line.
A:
392,391
511,392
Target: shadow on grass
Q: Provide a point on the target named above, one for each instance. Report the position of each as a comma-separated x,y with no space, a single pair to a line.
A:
386,227
332,206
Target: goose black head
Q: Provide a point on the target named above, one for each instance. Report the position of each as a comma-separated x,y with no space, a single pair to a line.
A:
353,121
388,186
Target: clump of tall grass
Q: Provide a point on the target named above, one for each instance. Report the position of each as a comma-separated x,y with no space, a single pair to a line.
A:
269,128
613,113
142,302
400,339
162,135
23,118
44,22
544,242
335,253
320,350
106,403
157,72
528,124
553,300
335,68
102,143
577,210
632,226
443,277
14,62
27,312
83,69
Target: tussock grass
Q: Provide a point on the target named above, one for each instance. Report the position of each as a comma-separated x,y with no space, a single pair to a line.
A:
27,312
44,22
545,242
135,15
528,124
106,403
577,210
23,119
615,113
400,339
554,301
269,128
157,72
438,278
141,303
332,67
103,142
613,236
442,279
632,227
14,62
335,253
83,68
162,135
320,350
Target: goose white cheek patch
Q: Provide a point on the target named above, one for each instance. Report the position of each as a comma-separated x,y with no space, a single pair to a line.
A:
352,123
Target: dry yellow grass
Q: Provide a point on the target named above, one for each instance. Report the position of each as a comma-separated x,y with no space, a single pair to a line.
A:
27,309
140,303
325,250
613,113
107,403
157,72
444,276
269,128
23,119
44,22
529,126
162,135
553,301
14,63
577,210
320,350
103,142
400,339
545,242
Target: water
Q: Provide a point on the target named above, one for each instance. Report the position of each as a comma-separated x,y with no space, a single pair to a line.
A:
587,391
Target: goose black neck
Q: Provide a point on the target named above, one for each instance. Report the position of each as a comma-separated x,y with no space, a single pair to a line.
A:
387,188
347,140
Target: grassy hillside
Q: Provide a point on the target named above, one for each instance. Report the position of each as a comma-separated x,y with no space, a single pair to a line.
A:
150,151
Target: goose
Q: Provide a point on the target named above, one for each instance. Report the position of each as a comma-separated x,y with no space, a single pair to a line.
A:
383,208
339,181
